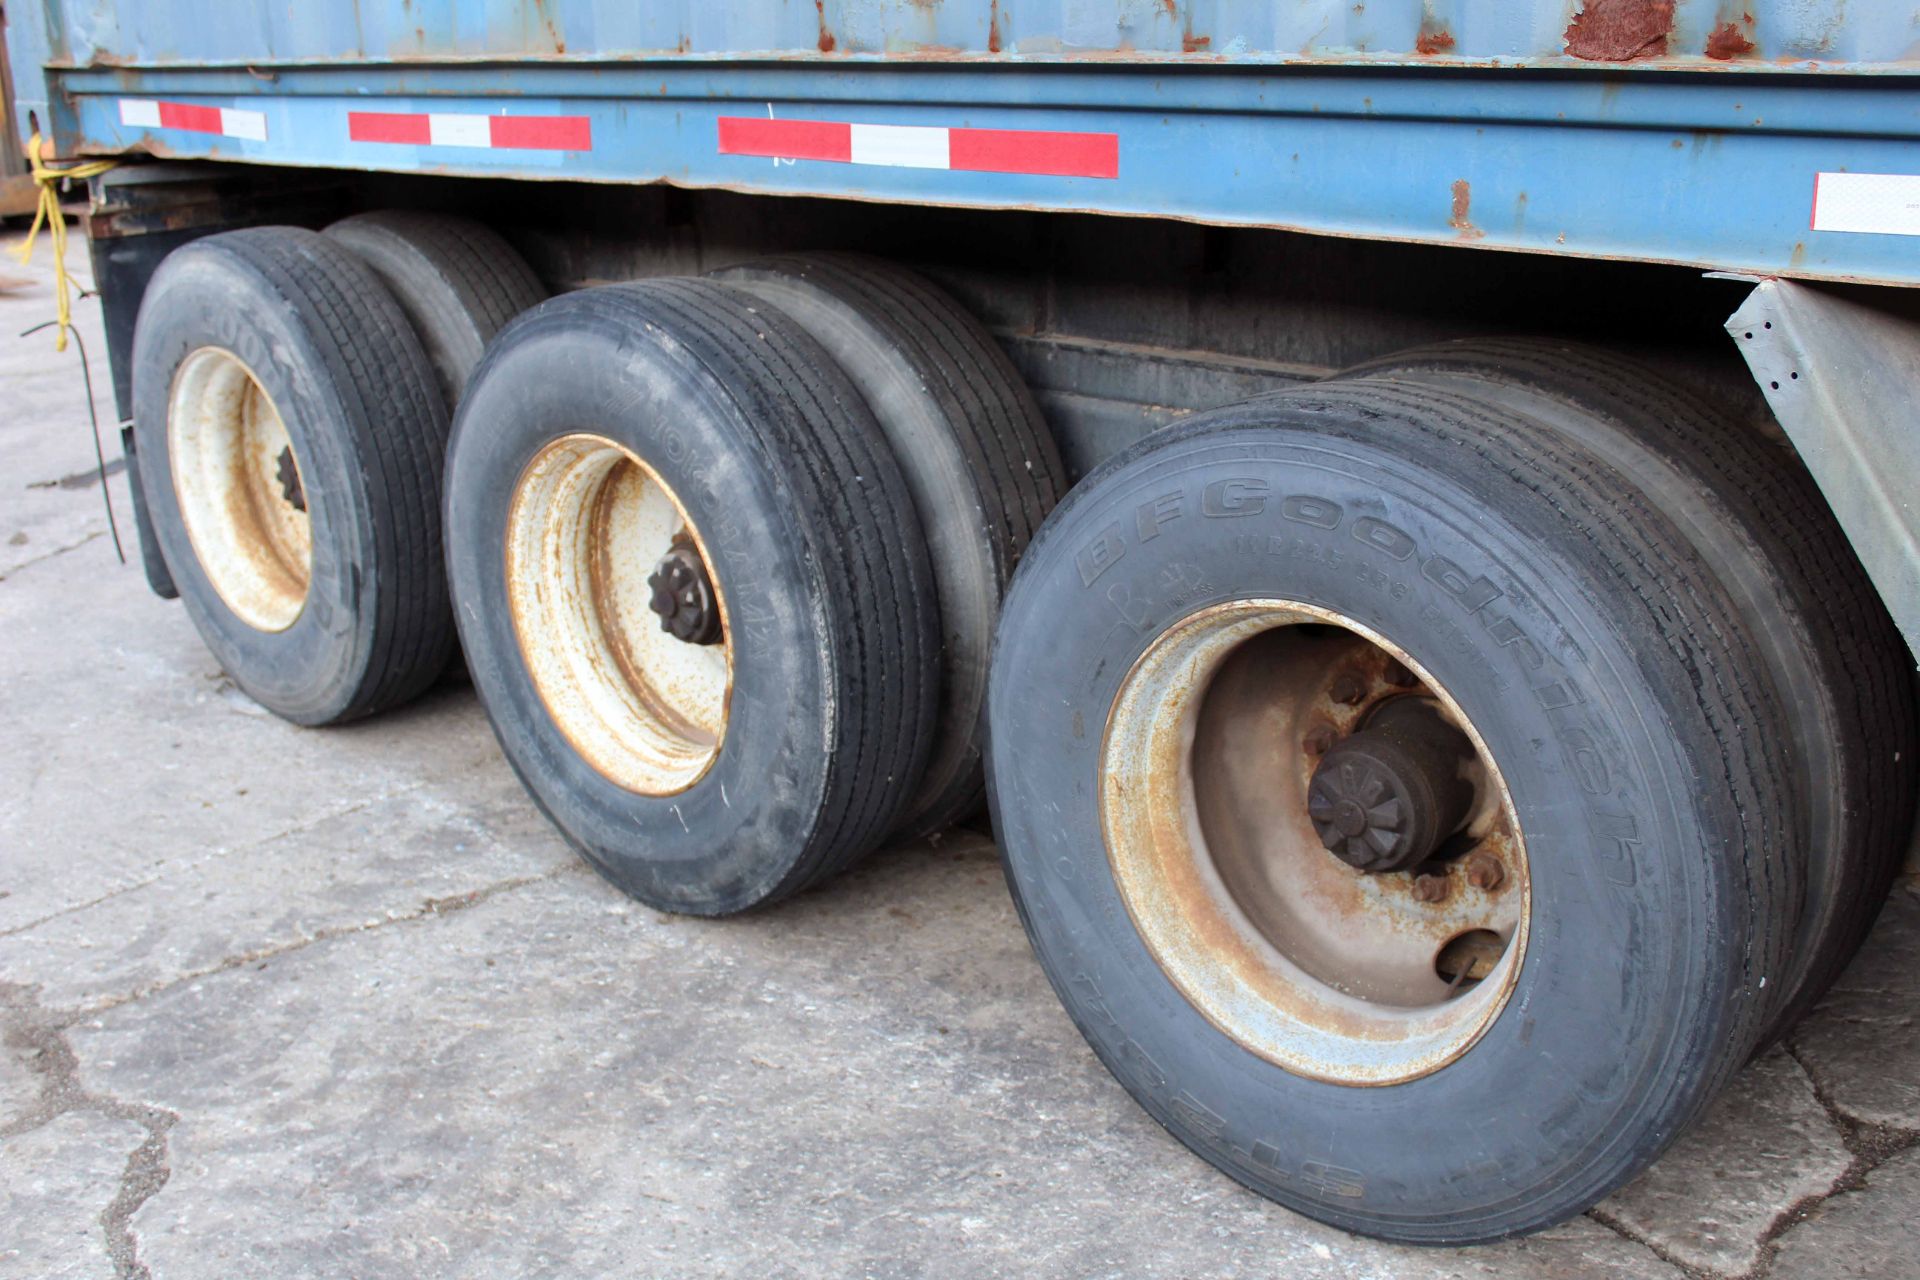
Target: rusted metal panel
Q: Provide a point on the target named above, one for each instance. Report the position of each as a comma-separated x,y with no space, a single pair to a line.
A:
1706,170
1685,131
1826,34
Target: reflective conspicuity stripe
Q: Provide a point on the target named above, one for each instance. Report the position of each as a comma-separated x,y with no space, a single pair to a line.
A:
228,122
1886,204
449,129
1039,151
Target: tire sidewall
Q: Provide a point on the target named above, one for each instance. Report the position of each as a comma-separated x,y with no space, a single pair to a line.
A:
1592,1057
943,475
728,840
206,297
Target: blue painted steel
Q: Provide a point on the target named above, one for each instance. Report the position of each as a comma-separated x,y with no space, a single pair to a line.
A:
1797,34
1658,163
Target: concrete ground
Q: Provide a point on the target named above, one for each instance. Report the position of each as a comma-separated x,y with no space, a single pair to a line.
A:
290,1002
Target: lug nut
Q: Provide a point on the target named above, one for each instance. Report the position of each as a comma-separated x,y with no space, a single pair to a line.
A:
1430,888
1484,872
1399,676
1319,740
1348,689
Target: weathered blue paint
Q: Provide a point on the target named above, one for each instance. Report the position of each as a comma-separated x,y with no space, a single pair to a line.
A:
1836,35
1665,161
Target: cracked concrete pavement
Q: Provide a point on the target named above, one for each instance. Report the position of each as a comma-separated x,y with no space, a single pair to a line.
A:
285,1002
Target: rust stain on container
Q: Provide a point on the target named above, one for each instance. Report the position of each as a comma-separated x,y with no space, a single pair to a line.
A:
1728,41
1434,41
827,42
1191,43
993,27
553,28
1460,220
1620,30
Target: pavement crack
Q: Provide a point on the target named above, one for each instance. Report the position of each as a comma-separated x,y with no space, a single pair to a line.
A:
108,896
49,555
189,864
1870,1146
39,1036
430,908
1621,1229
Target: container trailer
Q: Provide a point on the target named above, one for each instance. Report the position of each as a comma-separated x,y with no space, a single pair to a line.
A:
1403,511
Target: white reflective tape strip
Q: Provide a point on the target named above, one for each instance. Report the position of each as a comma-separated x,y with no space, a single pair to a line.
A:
458,131
243,124
141,113
909,146
1885,204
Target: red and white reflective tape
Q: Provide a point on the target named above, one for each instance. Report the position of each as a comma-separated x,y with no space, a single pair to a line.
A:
444,129
228,122
1065,155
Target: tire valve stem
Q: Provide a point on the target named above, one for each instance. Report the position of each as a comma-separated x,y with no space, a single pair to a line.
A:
683,596
287,472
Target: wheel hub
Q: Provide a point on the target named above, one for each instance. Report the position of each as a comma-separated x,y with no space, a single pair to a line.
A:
683,596
287,472
646,711
238,483
1247,741
1385,798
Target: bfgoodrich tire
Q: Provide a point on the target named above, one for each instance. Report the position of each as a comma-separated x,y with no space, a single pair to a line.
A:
1458,552
688,425
290,441
977,457
1751,513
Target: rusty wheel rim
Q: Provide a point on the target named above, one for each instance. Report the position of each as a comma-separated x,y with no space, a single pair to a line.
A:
1327,971
240,490
589,521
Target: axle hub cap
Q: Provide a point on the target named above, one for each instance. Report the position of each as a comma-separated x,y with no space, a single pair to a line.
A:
1384,799
683,597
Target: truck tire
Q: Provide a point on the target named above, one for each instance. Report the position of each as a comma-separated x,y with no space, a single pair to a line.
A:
290,441
1753,515
458,281
1241,678
680,446
978,458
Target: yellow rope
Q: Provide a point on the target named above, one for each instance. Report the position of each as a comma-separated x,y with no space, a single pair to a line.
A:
49,212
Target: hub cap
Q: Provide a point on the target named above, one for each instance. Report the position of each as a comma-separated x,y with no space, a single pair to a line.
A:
683,597
1384,798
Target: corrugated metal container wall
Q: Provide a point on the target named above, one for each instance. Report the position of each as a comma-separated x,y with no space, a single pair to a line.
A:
1801,35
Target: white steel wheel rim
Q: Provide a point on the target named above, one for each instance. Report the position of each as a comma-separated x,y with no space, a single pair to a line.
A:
589,522
239,488
1296,956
